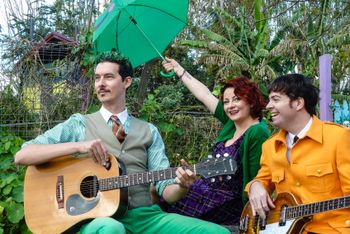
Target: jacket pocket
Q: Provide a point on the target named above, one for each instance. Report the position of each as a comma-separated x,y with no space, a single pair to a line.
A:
277,176
319,170
320,177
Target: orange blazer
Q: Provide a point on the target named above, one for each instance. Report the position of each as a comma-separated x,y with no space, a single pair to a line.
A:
319,169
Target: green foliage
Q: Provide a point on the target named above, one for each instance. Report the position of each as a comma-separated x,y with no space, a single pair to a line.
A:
341,97
13,110
185,136
83,53
10,103
11,187
236,45
311,30
195,142
68,16
153,110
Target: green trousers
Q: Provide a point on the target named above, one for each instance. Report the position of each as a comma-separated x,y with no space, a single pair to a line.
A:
151,220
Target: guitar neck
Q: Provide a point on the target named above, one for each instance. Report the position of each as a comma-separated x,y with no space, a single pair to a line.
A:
299,211
138,178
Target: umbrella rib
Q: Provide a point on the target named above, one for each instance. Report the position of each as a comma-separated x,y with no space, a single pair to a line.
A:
116,35
184,22
144,34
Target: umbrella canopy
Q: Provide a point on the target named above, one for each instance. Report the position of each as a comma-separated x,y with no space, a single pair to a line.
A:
139,29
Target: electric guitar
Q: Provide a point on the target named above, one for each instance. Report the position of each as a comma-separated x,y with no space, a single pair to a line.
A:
63,194
288,216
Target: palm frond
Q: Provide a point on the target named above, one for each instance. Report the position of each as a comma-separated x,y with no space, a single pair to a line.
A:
227,17
225,51
194,44
340,38
214,36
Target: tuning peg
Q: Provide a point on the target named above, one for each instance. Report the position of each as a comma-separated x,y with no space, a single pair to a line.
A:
218,155
210,156
228,177
226,155
212,180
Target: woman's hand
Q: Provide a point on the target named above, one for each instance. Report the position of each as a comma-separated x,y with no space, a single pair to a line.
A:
171,64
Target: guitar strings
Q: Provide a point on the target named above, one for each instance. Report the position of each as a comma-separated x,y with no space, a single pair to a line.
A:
87,186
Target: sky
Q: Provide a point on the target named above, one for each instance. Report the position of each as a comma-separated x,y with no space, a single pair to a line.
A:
23,3
3,79
19,2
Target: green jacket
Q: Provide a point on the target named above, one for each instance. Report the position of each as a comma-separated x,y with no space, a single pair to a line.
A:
250,149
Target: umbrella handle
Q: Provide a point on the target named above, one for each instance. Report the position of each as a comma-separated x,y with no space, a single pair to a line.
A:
167,75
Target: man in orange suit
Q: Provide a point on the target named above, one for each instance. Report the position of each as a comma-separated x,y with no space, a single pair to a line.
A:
307,157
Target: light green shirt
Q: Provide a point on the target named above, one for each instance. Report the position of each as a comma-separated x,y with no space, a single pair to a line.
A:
73,130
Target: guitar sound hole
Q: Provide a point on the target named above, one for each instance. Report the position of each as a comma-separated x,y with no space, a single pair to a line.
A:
89,187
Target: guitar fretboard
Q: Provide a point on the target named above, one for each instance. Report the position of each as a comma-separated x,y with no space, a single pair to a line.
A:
138,178
294,212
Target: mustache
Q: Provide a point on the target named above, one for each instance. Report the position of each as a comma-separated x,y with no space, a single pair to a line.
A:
102,90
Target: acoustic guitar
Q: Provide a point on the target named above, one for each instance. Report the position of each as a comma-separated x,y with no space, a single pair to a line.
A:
289,216
63,194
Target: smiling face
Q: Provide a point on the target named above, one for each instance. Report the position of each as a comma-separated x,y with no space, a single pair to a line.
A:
235,108
109,86
283,110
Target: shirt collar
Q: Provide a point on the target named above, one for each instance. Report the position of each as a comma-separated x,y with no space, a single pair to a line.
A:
290,136
316,130
106,114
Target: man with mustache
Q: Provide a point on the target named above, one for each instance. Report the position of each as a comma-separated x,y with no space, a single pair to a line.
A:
141,148
307,157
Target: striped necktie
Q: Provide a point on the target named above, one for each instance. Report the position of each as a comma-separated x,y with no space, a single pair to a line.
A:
118,129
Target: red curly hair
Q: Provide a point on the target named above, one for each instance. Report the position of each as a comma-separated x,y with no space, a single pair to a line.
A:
248,91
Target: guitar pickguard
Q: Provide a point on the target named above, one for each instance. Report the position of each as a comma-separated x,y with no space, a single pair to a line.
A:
76,205
275,228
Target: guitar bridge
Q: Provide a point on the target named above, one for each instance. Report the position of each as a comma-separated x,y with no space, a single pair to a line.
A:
60,192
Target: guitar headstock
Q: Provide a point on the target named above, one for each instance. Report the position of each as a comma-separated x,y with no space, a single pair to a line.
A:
216,166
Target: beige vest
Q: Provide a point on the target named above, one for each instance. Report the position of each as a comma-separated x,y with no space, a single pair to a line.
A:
133,151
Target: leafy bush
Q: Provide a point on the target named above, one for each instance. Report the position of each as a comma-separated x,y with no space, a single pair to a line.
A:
152,111
185,136
196,140
11,187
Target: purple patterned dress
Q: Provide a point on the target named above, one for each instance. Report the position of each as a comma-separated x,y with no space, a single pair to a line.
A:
219,201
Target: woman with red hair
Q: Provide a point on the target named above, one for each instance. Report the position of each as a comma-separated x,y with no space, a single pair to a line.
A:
240,110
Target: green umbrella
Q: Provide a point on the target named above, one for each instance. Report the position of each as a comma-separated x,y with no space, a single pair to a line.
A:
139,29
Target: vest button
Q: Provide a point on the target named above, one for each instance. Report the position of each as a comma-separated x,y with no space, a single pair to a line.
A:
123,151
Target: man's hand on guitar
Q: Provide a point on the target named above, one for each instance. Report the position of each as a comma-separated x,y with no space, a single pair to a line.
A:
184,178
259,199
96,150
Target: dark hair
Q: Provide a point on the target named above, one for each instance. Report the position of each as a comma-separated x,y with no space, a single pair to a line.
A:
295,86
125,67
247,91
